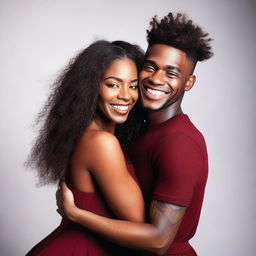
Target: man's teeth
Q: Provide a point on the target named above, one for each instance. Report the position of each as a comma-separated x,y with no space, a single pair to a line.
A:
155,92
120,107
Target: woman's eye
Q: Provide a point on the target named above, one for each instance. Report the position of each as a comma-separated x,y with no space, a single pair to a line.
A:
134,87
112,85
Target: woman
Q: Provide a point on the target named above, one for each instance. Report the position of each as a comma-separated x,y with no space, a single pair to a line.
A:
95,93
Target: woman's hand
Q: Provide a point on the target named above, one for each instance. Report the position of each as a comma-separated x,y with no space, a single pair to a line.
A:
65,202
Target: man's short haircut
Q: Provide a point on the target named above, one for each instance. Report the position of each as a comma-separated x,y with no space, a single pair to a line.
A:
178,31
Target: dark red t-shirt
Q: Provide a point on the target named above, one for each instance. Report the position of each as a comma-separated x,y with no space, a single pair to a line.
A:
171,164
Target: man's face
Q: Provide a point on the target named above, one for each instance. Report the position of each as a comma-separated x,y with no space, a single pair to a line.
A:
166,74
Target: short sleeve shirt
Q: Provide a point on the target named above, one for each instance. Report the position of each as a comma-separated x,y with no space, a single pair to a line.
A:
172,166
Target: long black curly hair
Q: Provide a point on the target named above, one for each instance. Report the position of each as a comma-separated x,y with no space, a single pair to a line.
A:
178,31
71,106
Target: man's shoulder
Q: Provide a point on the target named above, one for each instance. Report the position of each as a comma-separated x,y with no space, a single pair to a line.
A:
179,123
173,131
184,128
179,132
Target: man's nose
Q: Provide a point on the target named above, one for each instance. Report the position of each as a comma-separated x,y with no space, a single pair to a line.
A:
157,78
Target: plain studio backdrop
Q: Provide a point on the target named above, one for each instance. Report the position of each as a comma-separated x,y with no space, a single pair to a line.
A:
37,39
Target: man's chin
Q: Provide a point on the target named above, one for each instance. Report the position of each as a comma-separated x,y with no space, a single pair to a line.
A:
150,108
153,106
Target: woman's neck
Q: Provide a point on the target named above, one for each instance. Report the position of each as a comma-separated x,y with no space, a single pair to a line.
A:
101,123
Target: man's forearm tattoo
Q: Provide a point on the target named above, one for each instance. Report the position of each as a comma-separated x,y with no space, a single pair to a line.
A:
168,211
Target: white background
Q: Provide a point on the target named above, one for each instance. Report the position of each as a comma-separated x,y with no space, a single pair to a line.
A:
37,39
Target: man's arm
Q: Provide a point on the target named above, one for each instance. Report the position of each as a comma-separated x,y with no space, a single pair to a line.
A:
156,236
177,172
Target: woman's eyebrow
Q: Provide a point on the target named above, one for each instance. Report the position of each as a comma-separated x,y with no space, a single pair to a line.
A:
113,77
119,79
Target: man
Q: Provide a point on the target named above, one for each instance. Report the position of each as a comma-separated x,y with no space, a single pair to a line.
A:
171,158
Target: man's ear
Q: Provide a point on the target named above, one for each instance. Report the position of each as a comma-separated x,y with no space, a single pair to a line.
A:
190,82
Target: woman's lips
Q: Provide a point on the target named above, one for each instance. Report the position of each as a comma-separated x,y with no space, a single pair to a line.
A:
122,109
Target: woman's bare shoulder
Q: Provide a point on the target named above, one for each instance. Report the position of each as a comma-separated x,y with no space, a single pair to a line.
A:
96,141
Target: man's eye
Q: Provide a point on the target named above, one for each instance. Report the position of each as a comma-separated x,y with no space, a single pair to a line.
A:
112,85
148,68
171,74
134,87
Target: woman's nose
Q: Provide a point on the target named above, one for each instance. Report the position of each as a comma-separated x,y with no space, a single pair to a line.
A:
124,94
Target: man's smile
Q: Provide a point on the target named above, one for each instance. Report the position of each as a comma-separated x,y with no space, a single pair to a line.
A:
153,93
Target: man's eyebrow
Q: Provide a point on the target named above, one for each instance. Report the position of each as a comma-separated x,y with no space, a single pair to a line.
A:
153,63
150,62
173,68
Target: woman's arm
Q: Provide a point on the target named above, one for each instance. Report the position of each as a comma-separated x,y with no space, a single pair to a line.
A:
104,159
156,236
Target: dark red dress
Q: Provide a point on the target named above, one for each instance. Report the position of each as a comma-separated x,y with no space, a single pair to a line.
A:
72,239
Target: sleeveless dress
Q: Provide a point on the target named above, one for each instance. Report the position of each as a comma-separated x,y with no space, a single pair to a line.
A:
72,239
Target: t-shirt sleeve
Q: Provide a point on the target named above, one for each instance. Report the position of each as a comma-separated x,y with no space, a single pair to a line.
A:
178,161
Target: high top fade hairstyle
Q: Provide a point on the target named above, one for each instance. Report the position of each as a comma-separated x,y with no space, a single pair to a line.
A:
180,32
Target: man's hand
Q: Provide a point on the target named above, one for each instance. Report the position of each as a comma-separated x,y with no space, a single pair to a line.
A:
65,201
155,236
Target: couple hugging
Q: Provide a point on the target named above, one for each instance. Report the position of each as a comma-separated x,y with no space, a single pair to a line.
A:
134,165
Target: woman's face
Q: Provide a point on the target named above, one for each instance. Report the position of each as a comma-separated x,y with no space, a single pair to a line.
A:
119,90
